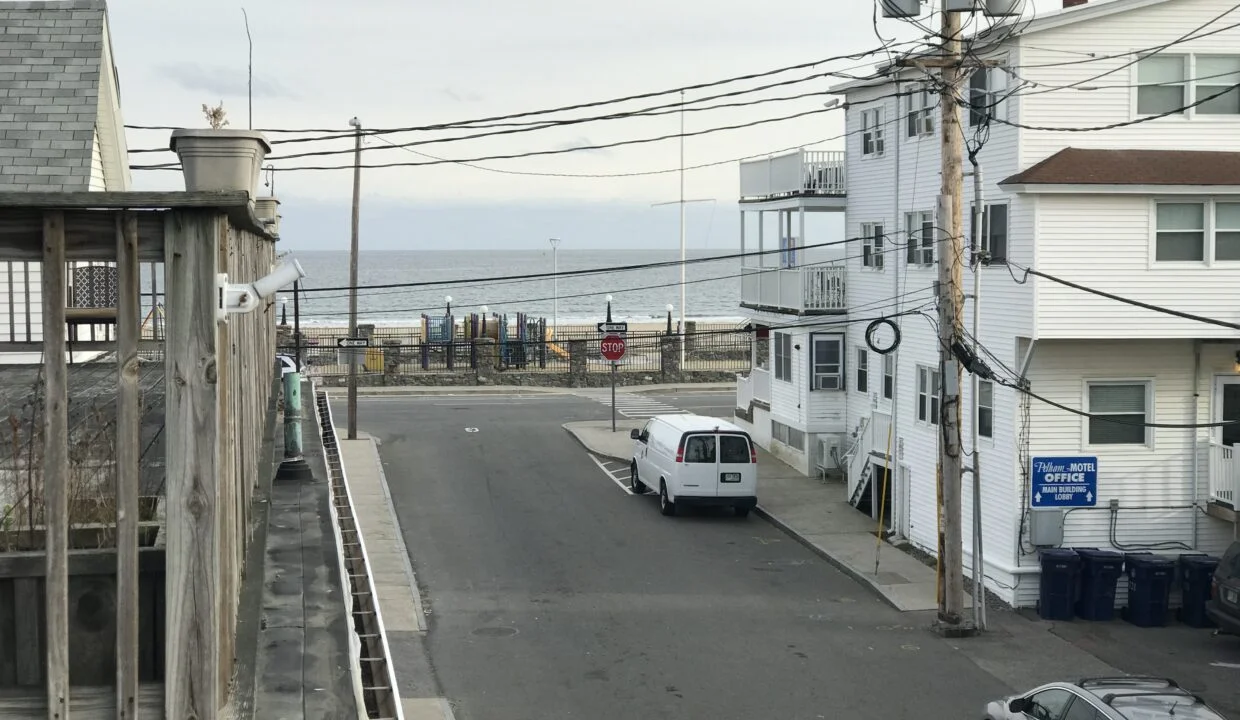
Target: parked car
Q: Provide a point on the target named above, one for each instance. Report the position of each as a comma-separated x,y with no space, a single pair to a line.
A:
1223,607
695,460
1105,698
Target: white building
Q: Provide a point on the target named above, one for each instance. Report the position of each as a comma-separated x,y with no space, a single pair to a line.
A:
1144,207
60,131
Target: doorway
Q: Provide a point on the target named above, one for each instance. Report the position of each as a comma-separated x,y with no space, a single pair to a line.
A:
1227,408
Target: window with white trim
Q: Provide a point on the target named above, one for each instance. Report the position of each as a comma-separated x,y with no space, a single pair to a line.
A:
1169,84
872,245
1117,410
995,223
986,86
1206,231
921,107
863,370
889,376
872,140
783,356
920,229
928,394
986,408
827,362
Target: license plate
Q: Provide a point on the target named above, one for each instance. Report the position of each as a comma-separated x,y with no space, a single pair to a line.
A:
1230,596
731,477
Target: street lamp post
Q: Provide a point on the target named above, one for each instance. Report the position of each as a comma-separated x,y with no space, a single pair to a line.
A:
669,318
555,284
484,320
448,301
608,308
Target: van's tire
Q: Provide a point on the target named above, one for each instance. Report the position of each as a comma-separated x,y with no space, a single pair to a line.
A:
635,483
740,511
667,506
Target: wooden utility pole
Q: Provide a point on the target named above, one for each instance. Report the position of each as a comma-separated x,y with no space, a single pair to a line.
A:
951,325
357,189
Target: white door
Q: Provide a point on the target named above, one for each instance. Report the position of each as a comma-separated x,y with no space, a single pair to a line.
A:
698,475
737,471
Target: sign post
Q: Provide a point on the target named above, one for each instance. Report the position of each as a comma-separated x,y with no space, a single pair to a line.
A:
1063,482
613,348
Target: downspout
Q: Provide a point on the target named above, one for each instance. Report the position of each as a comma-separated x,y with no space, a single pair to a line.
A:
1196,435
896,142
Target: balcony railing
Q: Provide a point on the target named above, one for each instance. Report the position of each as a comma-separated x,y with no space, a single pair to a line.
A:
815,289
755,387
1224,475
803,172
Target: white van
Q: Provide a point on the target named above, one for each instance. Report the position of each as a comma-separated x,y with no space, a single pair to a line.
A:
695,460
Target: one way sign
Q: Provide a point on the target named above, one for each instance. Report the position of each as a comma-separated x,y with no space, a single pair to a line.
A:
613,327
352,342
1064,482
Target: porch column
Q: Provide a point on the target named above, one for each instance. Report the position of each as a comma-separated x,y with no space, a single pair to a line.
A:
761,240
801,236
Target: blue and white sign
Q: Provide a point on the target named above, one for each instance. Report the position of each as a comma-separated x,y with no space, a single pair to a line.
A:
1064,482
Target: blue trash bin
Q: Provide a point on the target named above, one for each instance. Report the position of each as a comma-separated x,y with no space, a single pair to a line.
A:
1058,587
1196,574
1149,588
1100,573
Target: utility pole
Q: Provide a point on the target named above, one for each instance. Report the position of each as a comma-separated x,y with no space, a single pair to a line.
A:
683,327
357,192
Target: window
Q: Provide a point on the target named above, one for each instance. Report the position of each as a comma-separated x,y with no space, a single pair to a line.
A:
1217,75
872,245
986,408
783,357
986,87
1082,710
1168,84
789,436
733,449
863,370
921,105
645,435
872,131
928,395
1116,411
995,224
828,362
1227,231
889,376
1048,704
700,449
1181,232
1162,84
920,229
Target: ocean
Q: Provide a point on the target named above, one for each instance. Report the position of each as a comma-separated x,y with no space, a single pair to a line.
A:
712,289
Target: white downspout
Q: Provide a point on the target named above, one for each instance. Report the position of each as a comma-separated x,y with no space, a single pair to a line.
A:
892,465
1196,435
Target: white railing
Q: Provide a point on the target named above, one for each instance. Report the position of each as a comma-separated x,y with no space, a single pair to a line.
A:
744,391
1224,474
871,440
817,289
755,387
801,172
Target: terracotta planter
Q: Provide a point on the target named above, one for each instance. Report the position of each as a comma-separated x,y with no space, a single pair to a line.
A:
220,159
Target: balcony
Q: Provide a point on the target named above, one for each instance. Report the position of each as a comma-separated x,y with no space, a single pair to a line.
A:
1224,476
754,388
803,173
812,290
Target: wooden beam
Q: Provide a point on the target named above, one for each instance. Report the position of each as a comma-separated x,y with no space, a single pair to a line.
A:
125,200
89,235
56,464
192,670
88,703
128,460
78,347
226,428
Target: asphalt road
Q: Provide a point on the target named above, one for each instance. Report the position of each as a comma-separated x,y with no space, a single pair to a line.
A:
554,594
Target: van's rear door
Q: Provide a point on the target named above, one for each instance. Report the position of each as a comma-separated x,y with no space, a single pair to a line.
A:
737,473
700,471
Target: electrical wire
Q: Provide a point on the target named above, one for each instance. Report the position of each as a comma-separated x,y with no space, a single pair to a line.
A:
1111,419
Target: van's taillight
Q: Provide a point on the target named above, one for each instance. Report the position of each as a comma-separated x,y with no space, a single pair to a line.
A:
680,451
753,454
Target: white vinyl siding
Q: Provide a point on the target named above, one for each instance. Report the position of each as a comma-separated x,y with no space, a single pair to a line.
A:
98,178
872,245
1118,411
828,362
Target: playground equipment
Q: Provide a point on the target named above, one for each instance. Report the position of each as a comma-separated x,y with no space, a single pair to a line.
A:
519,343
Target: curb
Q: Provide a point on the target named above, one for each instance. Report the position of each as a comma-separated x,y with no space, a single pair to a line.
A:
840,565
577,438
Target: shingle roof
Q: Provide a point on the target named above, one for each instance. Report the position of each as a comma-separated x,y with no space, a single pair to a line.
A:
1077,166
50,58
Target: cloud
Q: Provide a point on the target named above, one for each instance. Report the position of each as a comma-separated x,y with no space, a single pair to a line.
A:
467,97
220,80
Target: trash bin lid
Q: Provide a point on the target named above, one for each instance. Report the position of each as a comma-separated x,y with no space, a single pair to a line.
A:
1064,555
1095,553
1202,560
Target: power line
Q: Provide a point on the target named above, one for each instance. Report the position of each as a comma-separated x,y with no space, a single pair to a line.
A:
1111,419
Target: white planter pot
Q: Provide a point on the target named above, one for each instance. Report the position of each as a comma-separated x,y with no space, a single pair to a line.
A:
220,159
268,210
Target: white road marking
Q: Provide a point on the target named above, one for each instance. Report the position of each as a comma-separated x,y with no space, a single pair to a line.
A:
632,405
623,486
1233,666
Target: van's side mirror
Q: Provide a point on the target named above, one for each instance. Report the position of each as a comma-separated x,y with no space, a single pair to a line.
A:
1019,705
635,434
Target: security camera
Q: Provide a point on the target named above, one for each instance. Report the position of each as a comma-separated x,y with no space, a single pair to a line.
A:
245,297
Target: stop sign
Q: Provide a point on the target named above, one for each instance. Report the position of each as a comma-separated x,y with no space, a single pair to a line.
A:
613,347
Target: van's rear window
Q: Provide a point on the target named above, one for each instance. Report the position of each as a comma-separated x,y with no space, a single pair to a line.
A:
733,449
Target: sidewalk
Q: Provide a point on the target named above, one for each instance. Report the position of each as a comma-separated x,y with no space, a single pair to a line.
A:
814,513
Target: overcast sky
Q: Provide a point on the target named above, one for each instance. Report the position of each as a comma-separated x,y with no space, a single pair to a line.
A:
399,63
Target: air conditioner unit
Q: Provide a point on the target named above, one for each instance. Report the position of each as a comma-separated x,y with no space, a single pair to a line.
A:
1003,8
900,8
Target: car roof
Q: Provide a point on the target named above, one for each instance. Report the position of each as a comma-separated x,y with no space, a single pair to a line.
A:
1146,698
688,422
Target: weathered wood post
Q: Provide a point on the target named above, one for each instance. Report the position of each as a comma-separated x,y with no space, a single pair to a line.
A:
128,458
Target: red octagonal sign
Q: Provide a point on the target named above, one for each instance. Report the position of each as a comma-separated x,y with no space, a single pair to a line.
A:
613,347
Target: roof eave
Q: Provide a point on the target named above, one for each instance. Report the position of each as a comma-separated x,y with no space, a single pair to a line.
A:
1037,188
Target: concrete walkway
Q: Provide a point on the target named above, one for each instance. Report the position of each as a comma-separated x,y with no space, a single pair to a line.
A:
814,513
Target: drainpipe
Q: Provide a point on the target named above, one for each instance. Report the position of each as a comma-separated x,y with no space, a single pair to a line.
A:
1196,434
892,465
978,228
